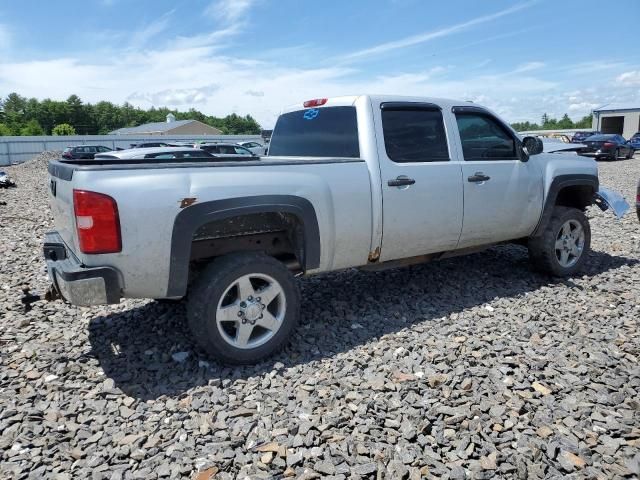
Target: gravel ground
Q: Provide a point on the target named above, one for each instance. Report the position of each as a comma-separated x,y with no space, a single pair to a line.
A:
473,367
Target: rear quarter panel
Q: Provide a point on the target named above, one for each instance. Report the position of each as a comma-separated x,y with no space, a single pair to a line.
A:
149,200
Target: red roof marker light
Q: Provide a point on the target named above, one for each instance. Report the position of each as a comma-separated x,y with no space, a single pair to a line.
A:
316,102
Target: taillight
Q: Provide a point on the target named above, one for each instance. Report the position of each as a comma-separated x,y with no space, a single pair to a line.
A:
97,222
316,102
608,144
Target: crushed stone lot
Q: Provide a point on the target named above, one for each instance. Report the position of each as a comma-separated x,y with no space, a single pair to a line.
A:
473,367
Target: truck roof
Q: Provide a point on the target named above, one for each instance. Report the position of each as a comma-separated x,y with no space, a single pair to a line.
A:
348,100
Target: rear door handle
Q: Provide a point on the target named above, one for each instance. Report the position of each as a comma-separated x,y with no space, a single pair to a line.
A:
478,177
401,181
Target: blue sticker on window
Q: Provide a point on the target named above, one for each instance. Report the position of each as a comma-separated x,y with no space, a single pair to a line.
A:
311,114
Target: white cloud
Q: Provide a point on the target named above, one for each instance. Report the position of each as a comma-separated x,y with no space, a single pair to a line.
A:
630,79
185,97
581,107
228,11
194,71
428,36
201,77
142,36
529,66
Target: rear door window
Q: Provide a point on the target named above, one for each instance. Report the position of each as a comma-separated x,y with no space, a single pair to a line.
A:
227,150
161,156
195,154
317,132
242,151
414,134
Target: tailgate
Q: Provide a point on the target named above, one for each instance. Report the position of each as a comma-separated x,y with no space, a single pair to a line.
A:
61,203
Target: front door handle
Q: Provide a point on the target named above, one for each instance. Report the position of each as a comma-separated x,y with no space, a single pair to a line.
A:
401,181
478,177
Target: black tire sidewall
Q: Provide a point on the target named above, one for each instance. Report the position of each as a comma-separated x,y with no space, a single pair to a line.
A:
212,284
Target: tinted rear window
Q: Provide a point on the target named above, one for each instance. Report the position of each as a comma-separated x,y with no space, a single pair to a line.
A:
414,135
317,132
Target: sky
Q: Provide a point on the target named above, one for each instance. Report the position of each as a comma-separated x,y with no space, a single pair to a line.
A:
519,58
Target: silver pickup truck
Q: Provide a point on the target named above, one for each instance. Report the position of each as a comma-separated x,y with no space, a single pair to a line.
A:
361,181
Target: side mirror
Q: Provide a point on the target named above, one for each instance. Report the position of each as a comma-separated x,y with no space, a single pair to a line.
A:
531,146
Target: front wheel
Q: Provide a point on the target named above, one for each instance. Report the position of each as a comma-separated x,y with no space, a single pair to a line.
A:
562,247
243,307
630,154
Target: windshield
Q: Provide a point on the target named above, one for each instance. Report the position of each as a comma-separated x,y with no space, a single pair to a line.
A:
316,132
600,138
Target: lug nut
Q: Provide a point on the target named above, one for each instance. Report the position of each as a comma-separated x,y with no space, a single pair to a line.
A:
243,304
258,299
250,298
241,314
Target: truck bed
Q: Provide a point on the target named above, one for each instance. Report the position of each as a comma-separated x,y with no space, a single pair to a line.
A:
64,169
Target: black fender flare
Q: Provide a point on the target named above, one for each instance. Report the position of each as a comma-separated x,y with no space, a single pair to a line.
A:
191,218
557,184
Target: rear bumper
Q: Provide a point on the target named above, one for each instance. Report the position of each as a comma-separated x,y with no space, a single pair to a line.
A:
77,284
598,154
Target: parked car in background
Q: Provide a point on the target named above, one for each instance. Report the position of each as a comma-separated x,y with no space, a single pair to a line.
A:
159,153
634,141
149,144
227,150
610,146
255,147
579,137
83,151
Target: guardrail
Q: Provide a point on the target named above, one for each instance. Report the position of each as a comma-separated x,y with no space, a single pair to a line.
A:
21,149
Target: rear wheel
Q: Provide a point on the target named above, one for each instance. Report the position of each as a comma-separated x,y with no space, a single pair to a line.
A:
562,247
630,154
243,307
615,155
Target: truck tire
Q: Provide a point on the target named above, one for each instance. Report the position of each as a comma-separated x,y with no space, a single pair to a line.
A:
243,307
562,247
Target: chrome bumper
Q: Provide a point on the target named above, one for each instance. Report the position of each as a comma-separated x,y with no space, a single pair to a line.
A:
79,285
606,199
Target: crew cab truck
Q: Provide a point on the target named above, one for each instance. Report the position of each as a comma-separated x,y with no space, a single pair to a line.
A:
361,181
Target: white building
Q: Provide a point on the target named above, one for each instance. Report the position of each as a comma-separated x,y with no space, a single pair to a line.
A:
620,118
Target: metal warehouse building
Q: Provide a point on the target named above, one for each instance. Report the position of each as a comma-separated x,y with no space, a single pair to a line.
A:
170,127
620,118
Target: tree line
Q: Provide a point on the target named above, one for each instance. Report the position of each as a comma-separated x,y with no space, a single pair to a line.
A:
29,116
548,123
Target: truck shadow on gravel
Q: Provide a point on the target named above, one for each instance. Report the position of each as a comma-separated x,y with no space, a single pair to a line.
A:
340,311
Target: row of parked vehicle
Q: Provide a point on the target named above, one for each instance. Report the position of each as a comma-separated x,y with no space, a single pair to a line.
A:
607,146
167,150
